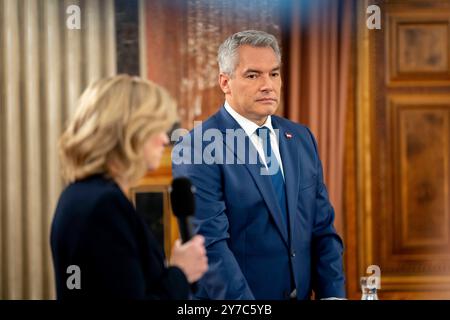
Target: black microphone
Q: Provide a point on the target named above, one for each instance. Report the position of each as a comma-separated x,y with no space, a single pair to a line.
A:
183,205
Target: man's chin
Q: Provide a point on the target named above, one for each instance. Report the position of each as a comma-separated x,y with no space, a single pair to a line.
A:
270,109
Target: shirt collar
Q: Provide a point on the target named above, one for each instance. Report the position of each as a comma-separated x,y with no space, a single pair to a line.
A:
246,124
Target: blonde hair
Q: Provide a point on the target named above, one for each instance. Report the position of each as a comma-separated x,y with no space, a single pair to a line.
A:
112,121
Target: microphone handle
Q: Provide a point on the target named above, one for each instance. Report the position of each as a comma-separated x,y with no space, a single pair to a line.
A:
186,234
186,229
194,287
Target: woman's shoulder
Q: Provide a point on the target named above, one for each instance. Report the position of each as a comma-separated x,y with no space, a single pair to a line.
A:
91,193
91,188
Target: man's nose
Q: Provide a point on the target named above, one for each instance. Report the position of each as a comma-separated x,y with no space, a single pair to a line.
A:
267,83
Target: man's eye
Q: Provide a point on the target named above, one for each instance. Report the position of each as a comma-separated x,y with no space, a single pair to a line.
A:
275,74
251,76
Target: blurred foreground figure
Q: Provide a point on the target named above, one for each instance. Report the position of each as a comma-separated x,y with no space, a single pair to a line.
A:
117,134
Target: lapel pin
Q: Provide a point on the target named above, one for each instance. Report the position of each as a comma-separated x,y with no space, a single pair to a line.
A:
288,135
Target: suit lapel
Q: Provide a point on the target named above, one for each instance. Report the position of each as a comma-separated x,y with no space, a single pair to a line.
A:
289,150
263,182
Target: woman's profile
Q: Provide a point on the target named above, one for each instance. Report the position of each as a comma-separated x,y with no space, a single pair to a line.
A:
118,132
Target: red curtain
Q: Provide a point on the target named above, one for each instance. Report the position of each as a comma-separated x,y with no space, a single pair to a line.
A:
320,42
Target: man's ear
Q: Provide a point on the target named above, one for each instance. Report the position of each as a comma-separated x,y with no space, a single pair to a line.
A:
224,83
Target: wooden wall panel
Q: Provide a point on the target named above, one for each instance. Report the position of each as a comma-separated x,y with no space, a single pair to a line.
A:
421,135
418,48
403,128
418,244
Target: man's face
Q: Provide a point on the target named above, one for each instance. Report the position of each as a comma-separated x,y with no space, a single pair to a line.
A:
254,90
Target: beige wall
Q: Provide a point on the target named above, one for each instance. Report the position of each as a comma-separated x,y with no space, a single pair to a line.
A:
44,66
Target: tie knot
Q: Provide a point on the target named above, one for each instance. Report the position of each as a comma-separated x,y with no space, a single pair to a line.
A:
263,133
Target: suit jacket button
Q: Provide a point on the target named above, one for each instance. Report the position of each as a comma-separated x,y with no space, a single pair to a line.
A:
293,254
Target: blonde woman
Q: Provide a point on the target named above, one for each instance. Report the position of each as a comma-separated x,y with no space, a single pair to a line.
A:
117,133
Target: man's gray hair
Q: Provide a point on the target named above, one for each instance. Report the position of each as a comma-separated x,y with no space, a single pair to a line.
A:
227,56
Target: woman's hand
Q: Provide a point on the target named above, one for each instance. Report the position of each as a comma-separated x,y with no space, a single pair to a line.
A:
190,257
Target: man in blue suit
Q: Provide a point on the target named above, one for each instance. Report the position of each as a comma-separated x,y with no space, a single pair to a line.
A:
268,224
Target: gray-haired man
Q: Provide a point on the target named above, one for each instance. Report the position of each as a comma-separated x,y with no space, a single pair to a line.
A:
268,236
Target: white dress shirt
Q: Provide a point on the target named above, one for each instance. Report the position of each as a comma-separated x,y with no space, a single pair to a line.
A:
250,129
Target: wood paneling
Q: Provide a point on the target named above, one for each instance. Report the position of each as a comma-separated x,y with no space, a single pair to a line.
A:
418,208
159,181
403,129
418,48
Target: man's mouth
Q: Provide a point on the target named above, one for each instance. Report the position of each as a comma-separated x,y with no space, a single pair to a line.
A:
267,100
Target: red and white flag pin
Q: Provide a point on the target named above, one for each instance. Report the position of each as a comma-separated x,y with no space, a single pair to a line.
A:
288,135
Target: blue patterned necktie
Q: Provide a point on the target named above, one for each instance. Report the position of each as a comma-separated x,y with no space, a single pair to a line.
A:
277,178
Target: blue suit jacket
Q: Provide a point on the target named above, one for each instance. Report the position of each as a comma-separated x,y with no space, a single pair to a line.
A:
251,253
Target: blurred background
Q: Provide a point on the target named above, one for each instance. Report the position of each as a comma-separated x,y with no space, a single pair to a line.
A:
378,101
